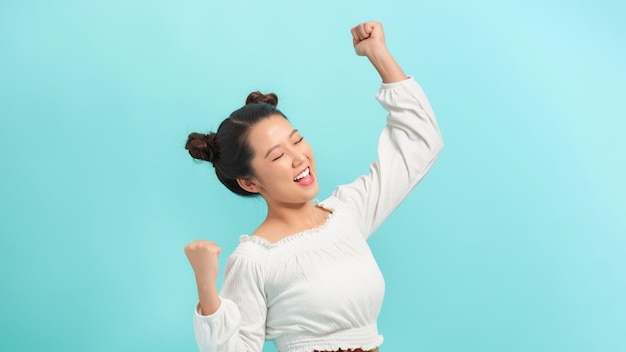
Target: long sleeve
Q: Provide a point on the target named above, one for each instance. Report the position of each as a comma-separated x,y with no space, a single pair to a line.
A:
407,148
239,323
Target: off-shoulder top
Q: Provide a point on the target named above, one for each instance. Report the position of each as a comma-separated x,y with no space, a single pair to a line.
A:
321,289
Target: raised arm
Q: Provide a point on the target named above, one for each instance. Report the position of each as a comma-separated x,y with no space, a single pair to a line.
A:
369,40
408,145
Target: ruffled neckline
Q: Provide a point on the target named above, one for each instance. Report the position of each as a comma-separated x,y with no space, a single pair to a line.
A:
294,237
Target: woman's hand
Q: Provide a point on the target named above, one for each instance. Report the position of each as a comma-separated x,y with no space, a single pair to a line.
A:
203,256
368,38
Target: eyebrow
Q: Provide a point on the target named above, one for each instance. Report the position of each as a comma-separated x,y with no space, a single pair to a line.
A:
277,145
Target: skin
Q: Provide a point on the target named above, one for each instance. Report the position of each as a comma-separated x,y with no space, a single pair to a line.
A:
280,155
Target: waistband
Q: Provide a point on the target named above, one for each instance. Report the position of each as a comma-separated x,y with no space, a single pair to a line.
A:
366,338
357,350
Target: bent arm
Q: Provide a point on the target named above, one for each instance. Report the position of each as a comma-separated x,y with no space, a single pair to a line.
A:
408,145
238,324
407,148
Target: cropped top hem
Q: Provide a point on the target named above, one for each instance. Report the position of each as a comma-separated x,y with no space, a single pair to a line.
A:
365,338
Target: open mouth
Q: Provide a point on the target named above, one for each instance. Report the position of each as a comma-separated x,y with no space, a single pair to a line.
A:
303,174
304,178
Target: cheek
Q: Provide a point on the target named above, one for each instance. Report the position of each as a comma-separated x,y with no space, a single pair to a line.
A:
312,157
269,171
307,148
259,169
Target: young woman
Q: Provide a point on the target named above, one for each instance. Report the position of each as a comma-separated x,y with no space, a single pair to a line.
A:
306,278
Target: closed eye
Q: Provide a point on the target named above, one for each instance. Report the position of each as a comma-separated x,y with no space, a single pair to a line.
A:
278,157
299,140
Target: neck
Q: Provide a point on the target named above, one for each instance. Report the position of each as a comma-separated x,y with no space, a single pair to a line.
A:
292,216
287,219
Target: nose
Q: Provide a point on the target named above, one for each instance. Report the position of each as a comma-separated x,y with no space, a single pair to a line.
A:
298,159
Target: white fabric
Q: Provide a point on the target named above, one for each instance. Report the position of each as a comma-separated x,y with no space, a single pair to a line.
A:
321,289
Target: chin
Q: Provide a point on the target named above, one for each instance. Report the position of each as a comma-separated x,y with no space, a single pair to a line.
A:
312,193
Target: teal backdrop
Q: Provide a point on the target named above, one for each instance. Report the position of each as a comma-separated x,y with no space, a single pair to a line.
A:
515,241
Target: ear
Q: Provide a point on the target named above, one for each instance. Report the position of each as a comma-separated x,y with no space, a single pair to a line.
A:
249,185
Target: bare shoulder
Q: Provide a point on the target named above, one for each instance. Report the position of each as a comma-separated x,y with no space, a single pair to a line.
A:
271,231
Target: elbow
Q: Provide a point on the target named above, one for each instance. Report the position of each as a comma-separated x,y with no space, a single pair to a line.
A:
436,145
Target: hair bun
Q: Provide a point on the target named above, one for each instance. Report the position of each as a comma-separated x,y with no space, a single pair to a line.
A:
202,146
258,97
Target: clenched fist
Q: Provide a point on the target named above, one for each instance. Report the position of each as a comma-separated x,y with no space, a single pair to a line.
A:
367,38
203,256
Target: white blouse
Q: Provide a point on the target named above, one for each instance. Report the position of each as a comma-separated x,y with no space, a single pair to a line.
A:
321,289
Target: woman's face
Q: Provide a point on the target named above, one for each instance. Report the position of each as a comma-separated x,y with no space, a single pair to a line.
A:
283,163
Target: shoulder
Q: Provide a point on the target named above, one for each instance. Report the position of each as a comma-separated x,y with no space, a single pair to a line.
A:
351,196
251,249
341,203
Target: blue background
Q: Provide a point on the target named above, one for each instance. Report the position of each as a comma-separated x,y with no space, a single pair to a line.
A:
515,241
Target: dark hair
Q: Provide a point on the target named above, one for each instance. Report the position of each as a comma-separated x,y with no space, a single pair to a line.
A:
228,149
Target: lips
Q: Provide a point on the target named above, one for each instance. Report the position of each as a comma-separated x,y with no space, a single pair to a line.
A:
305,178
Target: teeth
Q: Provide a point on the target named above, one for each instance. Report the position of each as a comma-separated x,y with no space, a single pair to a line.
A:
304,173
